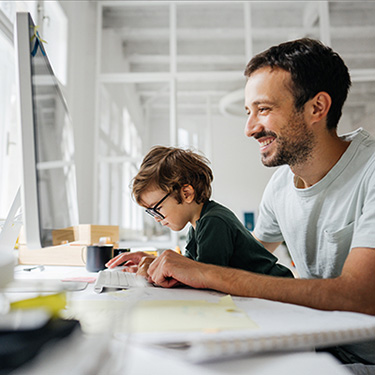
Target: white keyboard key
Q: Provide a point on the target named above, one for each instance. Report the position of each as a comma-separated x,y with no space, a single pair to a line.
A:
119,280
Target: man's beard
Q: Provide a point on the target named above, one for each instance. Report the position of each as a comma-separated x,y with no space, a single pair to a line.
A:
294,144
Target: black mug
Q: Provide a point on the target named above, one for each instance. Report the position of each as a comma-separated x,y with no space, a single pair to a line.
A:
97,256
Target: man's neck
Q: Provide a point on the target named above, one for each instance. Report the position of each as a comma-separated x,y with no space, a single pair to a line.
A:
325,155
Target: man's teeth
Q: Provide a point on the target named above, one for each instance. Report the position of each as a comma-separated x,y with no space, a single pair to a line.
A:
266,142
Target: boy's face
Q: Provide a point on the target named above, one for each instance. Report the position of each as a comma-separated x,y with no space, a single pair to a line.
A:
176,215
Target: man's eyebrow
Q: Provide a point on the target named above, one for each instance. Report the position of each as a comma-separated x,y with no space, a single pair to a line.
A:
261,101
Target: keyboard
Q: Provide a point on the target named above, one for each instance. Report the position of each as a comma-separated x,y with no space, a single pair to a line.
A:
118,280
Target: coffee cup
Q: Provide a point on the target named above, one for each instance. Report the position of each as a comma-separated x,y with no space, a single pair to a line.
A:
97,256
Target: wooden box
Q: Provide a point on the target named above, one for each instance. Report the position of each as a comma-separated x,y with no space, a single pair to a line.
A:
85,234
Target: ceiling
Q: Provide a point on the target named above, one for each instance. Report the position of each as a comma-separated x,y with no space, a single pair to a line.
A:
205,46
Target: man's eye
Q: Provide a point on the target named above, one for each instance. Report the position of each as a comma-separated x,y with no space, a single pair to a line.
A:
263,109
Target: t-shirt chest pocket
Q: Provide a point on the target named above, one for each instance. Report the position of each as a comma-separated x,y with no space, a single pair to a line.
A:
335,250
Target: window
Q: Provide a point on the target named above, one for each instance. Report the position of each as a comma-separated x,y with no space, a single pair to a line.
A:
9,152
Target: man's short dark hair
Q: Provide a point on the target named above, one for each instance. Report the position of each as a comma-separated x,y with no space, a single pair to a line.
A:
314,67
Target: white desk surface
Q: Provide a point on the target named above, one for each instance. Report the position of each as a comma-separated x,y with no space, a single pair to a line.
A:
141,358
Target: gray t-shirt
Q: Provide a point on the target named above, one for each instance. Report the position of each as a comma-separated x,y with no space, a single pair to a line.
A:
321,224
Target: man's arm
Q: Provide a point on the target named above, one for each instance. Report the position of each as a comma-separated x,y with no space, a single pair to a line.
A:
354,290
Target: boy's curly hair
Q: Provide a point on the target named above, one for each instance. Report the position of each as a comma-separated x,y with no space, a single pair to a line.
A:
170,168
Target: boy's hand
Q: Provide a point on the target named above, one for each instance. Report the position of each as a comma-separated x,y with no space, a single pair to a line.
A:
143,266
129,260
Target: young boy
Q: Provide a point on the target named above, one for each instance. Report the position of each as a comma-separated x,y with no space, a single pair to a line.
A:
174,185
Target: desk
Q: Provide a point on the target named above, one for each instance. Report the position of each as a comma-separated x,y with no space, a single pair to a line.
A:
141,358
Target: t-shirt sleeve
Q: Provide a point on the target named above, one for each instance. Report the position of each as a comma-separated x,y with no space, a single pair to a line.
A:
214,241
267,227
364,233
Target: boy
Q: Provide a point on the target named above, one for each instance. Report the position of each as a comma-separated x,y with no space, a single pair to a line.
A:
174,185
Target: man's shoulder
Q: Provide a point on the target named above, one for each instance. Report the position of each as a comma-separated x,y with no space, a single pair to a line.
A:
362,155
361,137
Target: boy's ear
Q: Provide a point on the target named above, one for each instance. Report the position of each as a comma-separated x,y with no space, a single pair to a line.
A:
187,193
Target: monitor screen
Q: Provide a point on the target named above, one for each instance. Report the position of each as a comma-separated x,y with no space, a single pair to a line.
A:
49,194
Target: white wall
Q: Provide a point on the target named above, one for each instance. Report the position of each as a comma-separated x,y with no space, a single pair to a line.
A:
81,95
239,175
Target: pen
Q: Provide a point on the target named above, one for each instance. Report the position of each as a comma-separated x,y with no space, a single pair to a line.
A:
40,268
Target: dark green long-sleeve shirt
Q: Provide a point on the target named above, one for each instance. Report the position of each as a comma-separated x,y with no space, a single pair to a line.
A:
220,238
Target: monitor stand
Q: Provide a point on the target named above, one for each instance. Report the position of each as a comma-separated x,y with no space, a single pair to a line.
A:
67,255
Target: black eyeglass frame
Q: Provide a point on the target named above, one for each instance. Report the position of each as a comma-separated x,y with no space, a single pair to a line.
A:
153,211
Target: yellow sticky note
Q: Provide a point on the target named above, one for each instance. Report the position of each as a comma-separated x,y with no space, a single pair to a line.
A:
54,303
190,315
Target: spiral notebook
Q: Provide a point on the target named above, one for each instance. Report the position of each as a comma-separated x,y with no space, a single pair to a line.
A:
237,345
270,327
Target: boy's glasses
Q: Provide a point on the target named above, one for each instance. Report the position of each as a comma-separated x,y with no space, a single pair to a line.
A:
153,211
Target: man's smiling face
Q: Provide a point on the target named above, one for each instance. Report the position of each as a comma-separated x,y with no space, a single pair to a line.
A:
281,130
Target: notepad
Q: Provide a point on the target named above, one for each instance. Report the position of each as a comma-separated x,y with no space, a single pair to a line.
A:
267,327
190,315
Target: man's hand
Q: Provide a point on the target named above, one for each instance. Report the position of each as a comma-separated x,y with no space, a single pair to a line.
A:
171,268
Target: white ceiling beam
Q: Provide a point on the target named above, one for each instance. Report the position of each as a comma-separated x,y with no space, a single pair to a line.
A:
359,55
173,140
183,94
186,106
362,75
220,76
248,30
310,15
324,23
221,59
202,34
186,59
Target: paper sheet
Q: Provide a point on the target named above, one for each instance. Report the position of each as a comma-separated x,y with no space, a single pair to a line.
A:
190,315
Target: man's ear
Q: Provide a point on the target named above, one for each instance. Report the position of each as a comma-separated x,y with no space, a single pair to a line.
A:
187,193
320,105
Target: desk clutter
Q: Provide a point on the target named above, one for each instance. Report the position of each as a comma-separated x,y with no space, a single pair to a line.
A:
70,245
20,343
192,326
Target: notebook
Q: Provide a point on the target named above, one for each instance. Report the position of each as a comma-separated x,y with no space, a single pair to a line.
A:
279,327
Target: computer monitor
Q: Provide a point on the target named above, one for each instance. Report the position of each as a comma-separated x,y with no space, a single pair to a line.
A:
48,191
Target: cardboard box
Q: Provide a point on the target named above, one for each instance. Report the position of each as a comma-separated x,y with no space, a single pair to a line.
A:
69,245
64,255
85,234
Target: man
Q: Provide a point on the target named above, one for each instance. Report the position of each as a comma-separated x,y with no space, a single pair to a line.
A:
321,201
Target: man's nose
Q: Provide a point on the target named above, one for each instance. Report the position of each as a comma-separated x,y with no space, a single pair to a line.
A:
252,126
